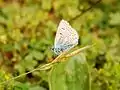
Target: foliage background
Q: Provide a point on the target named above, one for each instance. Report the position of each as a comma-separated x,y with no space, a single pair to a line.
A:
27,31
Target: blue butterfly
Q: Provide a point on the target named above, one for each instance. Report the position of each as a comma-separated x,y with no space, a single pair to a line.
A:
66,38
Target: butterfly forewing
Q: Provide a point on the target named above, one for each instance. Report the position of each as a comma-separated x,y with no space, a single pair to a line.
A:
66,36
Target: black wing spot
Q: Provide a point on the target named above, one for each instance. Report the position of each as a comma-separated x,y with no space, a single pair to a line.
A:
63,28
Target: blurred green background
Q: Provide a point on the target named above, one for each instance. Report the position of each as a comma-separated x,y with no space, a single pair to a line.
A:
28,28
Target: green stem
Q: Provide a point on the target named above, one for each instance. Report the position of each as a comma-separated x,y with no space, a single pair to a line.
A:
44,67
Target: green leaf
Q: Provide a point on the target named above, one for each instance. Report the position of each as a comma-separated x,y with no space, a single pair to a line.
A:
8,47
46,4
70,75
21,86
37,55
37,88
29,63
115,19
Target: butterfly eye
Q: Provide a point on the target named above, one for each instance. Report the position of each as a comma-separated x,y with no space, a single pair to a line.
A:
52,48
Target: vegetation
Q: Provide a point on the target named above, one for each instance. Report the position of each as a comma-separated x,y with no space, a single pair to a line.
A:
27,32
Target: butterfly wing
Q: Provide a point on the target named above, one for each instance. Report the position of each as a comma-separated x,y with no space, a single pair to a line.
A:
66,36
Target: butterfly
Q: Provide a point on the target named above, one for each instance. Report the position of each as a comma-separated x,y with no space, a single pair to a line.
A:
66,38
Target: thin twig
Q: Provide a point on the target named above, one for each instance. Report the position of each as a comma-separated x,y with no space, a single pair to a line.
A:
84,11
